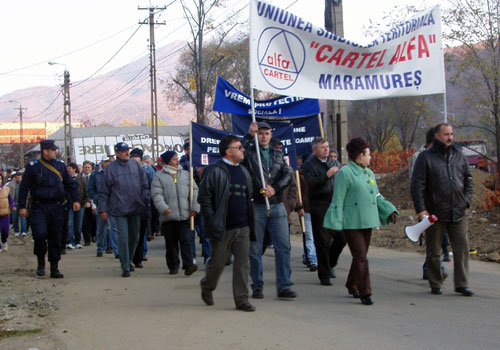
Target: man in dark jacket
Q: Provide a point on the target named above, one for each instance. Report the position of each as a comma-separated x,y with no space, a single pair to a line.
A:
225,200
123,196
441,184
319,172
277,177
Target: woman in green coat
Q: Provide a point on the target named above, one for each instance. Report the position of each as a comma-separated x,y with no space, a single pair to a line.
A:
356,208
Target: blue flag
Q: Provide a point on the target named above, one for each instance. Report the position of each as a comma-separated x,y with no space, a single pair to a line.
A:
205,145
230,100
305,129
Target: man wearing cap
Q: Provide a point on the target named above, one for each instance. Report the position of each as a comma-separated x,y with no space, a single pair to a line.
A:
277,176
47,181
141,249
105,237
123,196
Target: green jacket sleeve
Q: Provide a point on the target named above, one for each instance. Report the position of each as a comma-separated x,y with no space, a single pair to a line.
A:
385,209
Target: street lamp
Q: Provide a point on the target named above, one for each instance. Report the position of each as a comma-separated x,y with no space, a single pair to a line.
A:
68,152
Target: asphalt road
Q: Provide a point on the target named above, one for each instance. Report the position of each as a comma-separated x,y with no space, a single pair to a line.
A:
152,310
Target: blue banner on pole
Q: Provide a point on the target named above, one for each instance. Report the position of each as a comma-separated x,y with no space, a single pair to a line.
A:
289,149
305,129
205,145
230,100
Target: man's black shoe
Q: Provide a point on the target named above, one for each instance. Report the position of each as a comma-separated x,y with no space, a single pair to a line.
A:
355,294
40,270
63,251
287,294
258,294
173,272
86,244
132,268
246,307
117,256
139,265
446,257
466,292
54,270
190,270
313,267
99,255
206,295
109,251
367,300
326,282
436,291
126,274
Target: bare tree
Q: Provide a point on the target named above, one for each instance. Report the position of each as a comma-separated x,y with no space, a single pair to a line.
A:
475,26
409,115
369,119
199,14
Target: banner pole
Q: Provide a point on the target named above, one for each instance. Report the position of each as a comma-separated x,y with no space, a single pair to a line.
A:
210,123
191,178
302,221
321,126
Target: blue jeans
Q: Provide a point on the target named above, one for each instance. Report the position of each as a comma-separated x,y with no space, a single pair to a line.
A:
75,226
277,225
127,232
199,226
309,241
15,220
103,235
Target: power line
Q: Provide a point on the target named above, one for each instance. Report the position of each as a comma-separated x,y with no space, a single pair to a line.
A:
114,55
66,54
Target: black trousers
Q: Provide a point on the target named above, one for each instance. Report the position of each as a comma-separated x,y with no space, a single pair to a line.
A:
177,234
139,251
47,226
327,252
88,217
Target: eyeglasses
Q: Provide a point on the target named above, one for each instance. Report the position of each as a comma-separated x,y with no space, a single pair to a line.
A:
238,147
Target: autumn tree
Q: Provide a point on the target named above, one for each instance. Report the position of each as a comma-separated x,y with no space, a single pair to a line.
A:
474,25
201,65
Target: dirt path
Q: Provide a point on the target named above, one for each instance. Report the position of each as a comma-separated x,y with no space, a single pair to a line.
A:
94,308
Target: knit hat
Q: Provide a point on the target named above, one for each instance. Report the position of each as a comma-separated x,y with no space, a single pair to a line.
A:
137,152
167,156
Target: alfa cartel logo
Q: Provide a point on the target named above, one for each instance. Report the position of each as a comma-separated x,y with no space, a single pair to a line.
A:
281,57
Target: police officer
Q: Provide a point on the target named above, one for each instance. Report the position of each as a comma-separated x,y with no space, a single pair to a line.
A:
47,182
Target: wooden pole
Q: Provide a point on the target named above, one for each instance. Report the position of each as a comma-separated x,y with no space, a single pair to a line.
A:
322,131
191,182
302,220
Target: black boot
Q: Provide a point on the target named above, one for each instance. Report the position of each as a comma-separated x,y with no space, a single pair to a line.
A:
54,271
40,270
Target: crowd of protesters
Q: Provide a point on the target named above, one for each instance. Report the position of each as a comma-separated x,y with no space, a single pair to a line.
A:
121,204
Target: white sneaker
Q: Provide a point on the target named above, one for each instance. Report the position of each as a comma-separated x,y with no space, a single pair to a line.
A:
5,246
23,234
70,246
16,234
78,246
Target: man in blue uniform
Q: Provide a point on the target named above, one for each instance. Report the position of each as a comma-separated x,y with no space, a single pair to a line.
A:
47,181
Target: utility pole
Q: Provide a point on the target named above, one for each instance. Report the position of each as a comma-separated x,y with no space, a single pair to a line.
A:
336,111
68,151
21,136
152,76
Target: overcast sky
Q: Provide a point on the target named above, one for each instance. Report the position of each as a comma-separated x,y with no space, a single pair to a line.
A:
84,35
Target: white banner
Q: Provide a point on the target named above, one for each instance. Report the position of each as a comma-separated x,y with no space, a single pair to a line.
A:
290,56
93,148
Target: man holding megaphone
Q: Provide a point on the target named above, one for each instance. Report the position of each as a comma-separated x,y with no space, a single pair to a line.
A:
441,185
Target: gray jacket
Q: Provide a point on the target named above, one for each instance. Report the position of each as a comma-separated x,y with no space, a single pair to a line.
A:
124,190
167,194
